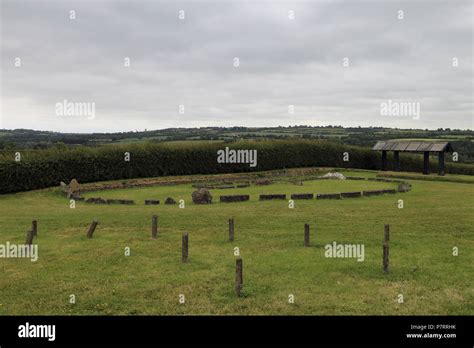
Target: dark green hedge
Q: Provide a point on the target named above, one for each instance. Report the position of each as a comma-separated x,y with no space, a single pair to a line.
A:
40,169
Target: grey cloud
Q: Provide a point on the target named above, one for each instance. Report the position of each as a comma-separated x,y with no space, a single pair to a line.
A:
189,62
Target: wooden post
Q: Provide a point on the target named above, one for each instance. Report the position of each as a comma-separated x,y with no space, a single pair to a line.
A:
385,257
384,160
426,162
238,277
386,239
29,238
396,157
386,233
231,229
154,226
92,228
34,227
441,163
306,235
184,255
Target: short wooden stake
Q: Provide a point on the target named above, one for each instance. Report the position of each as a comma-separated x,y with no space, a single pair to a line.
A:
34,227
231,230
29,238
238,277
154,226
306,235
386,233
184,256
385,257
386,247
92,228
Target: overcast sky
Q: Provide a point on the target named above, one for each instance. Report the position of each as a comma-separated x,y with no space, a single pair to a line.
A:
190,62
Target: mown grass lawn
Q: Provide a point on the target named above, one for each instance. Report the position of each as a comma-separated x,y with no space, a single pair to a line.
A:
436,217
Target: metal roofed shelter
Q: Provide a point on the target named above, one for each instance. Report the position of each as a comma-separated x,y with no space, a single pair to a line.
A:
414,146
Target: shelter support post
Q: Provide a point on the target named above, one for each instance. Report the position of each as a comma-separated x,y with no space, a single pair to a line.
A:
396,157
441,163
426,162
384,160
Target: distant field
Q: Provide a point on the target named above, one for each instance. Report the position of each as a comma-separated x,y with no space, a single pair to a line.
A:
440,139
436,217
178,143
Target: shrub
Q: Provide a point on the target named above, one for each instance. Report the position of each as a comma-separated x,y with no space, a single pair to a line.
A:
44,168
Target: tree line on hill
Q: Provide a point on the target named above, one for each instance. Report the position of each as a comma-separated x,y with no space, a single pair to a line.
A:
462,140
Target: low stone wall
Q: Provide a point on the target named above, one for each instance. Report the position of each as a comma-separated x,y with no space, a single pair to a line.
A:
203,179
403,186
221,185
213,187
354,178
234,198
302,196
351,194
109,201
270,197
328,196
120,201
372,193
243,185
383,179
96,200
170,201
260,182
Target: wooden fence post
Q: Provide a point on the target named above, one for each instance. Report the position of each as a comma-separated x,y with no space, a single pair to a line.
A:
238,277
231,229
29,238
386,233
92,227
34,227
154,226
386,248
385,257
184,255
306,235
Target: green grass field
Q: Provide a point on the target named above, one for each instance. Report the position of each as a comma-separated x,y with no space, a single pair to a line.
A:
436,217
